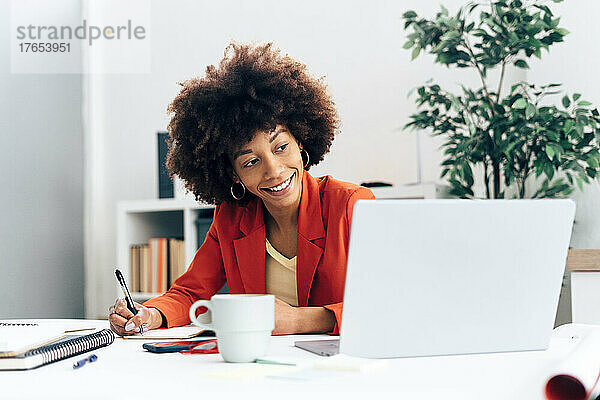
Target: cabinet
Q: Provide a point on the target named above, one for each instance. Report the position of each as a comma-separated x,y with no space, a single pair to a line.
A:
584,265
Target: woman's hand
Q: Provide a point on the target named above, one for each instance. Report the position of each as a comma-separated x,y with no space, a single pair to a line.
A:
123,322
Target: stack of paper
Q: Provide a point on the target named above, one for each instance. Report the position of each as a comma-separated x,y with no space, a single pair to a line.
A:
180,332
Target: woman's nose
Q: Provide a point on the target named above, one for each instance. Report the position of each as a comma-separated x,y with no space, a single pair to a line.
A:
272,167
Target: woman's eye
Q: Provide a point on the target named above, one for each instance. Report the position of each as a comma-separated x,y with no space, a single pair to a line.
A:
250,163
283,147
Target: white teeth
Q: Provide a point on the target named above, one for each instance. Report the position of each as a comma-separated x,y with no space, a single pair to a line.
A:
282,186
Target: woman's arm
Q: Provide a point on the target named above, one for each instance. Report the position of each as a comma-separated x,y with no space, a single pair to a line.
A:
290,320
204,278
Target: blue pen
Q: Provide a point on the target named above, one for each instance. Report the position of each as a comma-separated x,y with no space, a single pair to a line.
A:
91,358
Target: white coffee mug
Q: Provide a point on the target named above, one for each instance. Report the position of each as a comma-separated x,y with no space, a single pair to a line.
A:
242,322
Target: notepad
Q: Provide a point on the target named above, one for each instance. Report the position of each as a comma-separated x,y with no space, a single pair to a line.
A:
65,348
179,332
18,338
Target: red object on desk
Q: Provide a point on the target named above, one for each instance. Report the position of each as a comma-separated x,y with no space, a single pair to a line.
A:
565,387
205,347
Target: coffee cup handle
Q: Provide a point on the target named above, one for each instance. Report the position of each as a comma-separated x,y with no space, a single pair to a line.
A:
194,319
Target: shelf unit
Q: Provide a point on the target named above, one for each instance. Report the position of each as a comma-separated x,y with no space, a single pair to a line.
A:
425,190
137,221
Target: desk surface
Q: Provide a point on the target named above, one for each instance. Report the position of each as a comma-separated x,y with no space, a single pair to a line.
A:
124,370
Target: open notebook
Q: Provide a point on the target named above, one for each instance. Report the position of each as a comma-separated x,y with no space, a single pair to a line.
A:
18,338
179,332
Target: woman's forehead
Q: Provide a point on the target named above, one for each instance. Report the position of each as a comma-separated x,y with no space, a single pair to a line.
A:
264,134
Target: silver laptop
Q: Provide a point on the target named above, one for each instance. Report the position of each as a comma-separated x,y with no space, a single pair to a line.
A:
439,277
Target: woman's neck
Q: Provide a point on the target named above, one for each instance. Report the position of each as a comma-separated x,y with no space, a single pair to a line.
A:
281,221
282,231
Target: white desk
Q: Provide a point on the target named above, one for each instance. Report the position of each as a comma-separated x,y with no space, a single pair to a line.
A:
125,371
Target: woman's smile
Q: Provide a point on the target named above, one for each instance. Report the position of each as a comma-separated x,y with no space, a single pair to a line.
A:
282,188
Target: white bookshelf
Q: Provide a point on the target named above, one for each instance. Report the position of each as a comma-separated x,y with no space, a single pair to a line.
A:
426,190
137,221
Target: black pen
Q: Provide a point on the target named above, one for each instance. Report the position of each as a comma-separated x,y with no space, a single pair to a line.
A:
128,298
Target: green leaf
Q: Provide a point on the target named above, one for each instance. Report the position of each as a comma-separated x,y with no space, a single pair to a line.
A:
415,52
550,152
521,64
529,111
549,171
583,103
563,31
552,136
568,125
566,102
450,35
408,45
520,104
409,14
576,96
472,128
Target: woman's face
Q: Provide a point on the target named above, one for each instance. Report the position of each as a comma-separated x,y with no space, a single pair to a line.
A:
270,166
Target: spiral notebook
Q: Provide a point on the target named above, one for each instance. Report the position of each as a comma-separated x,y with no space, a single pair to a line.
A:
60,350
17,338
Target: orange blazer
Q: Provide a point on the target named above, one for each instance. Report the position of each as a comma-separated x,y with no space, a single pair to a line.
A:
235,246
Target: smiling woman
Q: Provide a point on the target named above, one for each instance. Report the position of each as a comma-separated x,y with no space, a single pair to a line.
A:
243,137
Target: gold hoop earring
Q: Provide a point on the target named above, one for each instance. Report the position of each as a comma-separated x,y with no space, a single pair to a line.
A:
243,193
307,157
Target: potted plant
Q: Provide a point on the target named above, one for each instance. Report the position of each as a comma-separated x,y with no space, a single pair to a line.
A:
511,134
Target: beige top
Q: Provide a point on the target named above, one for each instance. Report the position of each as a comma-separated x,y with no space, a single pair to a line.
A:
281,276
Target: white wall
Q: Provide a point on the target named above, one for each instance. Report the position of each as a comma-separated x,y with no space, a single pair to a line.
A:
41,189
574,63
357,45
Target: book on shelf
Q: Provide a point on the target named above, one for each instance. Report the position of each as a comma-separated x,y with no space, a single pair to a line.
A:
176,259
177,263
142,260
158,259
135,268
157,264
